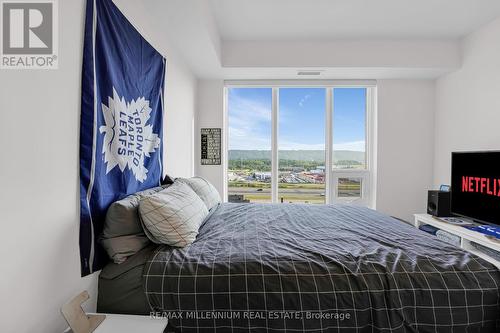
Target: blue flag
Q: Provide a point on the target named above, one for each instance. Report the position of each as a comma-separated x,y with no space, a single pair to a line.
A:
121,121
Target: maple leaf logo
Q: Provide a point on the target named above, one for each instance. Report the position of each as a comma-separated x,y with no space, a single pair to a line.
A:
127,137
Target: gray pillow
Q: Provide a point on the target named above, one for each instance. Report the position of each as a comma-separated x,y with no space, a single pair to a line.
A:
173,215
122,247
123,235
205,190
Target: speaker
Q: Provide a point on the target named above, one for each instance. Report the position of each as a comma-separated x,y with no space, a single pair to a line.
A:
439,203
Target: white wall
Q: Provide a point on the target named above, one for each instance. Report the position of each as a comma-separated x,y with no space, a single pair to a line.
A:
180,95
180,98
369,53
405,146
468,101
405,141
210,106
39,134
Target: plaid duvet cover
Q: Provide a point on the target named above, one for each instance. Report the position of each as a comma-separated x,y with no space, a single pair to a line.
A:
328,268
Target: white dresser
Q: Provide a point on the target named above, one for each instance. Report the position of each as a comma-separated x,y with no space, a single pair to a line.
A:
466,236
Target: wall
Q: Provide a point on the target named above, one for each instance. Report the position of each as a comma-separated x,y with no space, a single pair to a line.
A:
180,95
180,100
468,101
39,201
39,132
210,114
405,146
370,53
405,142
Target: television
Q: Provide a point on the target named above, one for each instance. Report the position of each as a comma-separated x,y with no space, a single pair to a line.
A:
475,186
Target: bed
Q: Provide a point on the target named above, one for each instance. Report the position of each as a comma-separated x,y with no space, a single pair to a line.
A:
315,268
120,287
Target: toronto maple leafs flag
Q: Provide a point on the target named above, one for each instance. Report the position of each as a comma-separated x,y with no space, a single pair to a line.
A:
121,121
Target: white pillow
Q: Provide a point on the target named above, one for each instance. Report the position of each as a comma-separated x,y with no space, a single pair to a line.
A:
173,215
205,190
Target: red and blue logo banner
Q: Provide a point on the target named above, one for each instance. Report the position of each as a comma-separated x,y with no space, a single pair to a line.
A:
121,121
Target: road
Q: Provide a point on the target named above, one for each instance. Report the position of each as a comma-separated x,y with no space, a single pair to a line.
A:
353,192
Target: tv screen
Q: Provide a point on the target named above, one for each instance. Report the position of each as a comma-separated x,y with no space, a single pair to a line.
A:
475,186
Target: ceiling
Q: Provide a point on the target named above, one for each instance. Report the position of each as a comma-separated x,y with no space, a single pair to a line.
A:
350,19
274,39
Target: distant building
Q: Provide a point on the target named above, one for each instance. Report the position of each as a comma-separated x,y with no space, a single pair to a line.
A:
232,176
262,176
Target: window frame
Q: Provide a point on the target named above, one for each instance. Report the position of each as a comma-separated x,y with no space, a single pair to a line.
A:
368,175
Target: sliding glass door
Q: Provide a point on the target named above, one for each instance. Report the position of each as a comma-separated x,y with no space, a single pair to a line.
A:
300,144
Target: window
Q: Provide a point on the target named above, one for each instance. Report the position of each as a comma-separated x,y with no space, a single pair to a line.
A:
249,154
349,145
349,128
299,144
349,188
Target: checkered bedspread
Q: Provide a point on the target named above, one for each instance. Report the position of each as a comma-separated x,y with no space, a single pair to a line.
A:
306,268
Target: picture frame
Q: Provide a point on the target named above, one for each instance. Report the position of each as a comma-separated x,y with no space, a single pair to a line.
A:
211,146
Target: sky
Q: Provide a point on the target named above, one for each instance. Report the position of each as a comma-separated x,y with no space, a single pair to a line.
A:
301,118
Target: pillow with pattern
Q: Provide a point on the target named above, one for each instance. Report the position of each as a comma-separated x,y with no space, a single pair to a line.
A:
123,235
173,216
205,190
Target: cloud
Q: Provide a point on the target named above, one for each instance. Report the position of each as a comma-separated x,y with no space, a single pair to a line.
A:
287,145
304,99
354,146
246,143
249,124
250,128
259,143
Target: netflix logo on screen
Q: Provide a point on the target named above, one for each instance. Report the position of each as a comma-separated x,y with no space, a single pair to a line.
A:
475,186
488,186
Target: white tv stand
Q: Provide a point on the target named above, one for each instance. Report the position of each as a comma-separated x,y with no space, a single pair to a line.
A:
466,236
